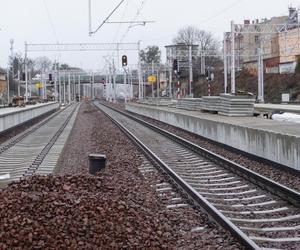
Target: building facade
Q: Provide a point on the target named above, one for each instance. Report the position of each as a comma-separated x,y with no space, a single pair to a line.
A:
277,39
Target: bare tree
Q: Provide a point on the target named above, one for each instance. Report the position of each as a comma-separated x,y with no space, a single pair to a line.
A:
191,35
209,46
43,64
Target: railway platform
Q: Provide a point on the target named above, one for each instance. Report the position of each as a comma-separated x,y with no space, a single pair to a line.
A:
266,108
272,140
14,116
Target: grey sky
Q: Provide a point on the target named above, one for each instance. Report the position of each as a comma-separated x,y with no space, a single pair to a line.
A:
66,21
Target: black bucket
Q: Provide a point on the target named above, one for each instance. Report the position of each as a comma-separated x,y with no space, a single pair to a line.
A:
97,163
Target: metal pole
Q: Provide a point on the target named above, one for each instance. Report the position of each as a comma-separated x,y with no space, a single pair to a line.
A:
84,90
178,89
8,97
92,86
142,86
125,87
19,87
262,75
45,87
258,75
190,70
30,83
139,71
69,88
59,85
157,83
90,18
12,57
225,63
74,87
170,78
131,89
79,90
110,84
202,56
42,88
26,74
64,87
232,59
55,81
152,87
12,63
114,81
106,90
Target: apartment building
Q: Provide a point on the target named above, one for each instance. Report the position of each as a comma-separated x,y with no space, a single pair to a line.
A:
280,44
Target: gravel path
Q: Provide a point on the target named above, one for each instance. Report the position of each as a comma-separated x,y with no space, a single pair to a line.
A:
116,209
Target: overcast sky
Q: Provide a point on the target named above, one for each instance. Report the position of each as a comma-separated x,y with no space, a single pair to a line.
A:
66,21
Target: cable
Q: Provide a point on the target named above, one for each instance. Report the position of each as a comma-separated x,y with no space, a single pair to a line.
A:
222,11
134,19
118,29
108,17
119,26
50,21
130,26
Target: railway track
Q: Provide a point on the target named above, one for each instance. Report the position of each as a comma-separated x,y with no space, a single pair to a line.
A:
36,150
260,212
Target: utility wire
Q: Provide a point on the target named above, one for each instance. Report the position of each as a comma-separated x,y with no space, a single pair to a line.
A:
108,17
222,11
130,26
134,19
50,20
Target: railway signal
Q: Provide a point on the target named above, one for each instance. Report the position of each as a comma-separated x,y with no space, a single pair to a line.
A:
124,60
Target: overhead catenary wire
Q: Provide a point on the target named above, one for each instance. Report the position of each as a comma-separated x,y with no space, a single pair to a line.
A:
113,11
221,12
110,55
129,27
134,19
50,21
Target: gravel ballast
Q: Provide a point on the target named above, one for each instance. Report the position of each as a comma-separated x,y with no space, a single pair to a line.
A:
118,208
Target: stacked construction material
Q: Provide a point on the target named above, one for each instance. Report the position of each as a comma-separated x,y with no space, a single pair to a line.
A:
211,103
161,101
189,103
236,105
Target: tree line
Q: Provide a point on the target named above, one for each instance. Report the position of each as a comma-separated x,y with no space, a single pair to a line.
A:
189,35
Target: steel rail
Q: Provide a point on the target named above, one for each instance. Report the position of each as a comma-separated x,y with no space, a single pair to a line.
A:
276,188
185,187
41,156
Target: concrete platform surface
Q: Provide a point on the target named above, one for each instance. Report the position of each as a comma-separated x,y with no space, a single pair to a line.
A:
273,140
5,111
10,117
281,107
